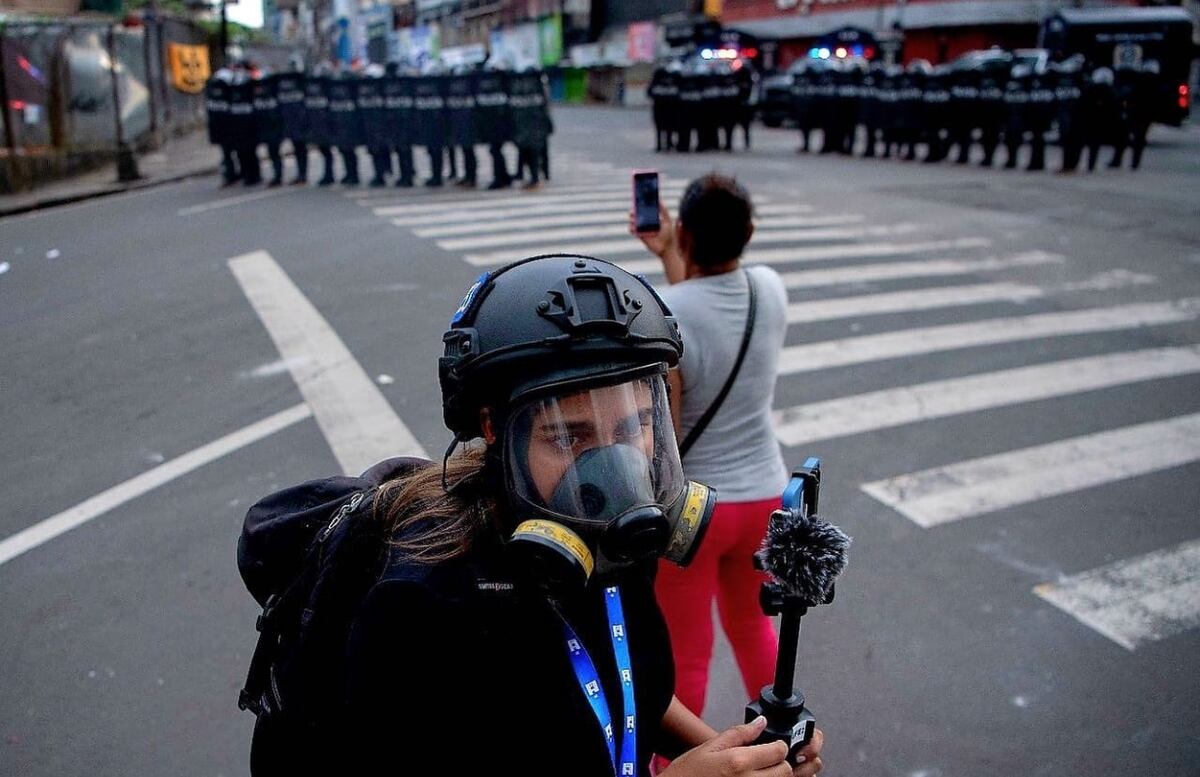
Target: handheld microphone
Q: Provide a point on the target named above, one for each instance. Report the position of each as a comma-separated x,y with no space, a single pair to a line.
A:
803,556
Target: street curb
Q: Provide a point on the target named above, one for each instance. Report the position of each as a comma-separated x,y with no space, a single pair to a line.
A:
52,202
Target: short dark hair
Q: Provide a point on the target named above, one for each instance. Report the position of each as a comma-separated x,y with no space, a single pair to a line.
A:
717,211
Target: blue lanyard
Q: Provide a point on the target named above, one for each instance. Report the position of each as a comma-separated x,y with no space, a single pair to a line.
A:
589,682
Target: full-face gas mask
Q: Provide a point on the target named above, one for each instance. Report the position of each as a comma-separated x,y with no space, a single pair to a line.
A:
568,355
594,478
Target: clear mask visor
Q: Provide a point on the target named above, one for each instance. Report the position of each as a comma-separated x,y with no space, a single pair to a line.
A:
587,457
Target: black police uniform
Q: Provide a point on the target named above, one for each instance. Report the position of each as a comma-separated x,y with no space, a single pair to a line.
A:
398,112
1016,109
664,95
1068,94
346,124
460,112
376,130
991,113
493,123
244,130
530,119
269,122
216,103
289,93
429,112
746,107
803,93
935,103
691,96
825,107
964,114
319,132
1040,117
1099,117
1135,90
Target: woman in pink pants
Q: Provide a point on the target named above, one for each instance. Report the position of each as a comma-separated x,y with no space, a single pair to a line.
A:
714,299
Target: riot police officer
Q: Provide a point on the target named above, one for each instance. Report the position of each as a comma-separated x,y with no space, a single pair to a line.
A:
1067,77
1016,109
317,121
964,114
1136,86
935,114
992,79
493,124
346,125
244,127
803,95
870,106
289,94
269,123
664,95
530,119
1040,116
217,104
1099,113
911,101
397,92
376,127
460,110
429,123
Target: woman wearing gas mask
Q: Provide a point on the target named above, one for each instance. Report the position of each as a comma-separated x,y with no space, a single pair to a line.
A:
513,628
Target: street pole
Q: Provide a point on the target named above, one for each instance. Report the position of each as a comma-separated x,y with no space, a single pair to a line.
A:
224,35
126,163
10,139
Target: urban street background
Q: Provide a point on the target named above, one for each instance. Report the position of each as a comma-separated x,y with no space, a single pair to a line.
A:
1000,371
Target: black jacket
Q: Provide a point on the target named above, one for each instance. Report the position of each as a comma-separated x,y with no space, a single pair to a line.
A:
461,665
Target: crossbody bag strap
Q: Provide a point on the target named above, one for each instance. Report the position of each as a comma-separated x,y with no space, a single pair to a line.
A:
705,419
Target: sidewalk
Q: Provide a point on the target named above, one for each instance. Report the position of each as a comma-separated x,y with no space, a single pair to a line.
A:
182,157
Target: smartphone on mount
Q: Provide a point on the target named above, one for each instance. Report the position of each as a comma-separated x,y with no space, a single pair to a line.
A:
645,201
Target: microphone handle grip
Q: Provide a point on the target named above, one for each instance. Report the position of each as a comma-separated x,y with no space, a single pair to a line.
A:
785,660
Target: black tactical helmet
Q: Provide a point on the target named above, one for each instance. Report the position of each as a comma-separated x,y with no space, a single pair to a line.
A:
548,322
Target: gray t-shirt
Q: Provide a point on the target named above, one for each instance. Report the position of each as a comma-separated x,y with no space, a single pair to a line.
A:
738,453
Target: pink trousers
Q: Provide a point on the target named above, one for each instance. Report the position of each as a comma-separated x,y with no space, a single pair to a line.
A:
723,569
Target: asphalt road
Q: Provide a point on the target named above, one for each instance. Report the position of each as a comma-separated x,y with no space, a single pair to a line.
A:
1000,370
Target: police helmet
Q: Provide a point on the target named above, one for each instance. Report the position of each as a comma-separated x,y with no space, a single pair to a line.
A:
1102,75
920,67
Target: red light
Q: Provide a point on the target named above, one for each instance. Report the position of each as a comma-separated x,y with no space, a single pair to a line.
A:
1183,103
869,53
750,53
16,105
1183,90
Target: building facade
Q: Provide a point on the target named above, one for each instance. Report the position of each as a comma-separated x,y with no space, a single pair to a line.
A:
935,30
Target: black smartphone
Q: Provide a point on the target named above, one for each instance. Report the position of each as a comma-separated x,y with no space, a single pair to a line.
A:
645,201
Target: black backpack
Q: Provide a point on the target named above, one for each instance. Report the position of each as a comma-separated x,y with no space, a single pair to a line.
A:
308,555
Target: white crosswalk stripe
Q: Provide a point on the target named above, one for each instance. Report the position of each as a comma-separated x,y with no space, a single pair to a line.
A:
971,488
829,253
927,268
621,229
1137,600
913,342
477,202
631,245
618,204
888,408
617,214
586,212
904,301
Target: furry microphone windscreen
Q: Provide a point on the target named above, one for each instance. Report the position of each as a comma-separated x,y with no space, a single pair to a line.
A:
804,554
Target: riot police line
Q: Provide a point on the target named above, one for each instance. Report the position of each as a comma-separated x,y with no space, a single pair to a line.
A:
387,112
699,107
926,112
